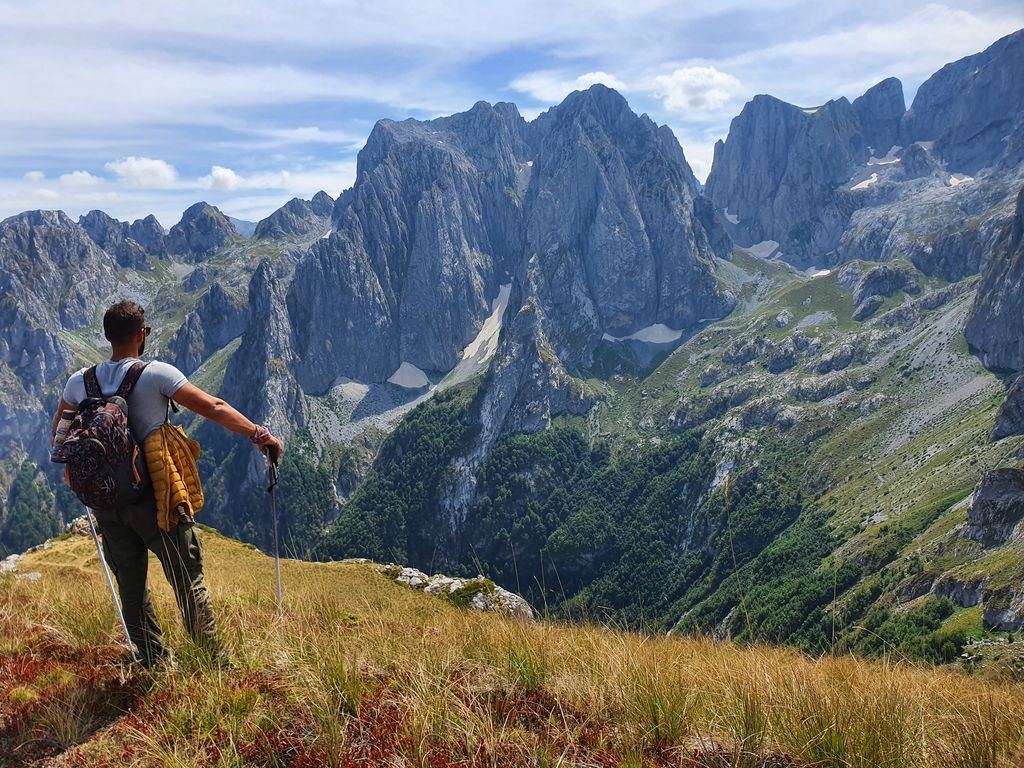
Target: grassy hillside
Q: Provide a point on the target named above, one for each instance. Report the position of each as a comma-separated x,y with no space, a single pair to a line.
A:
371,673
850,448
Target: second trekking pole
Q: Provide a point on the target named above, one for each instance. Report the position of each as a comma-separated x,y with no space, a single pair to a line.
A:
110,583
272,474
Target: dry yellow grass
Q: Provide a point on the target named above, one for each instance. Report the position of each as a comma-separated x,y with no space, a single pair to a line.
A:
374,673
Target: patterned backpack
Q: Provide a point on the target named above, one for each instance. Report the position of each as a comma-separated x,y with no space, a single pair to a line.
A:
105,467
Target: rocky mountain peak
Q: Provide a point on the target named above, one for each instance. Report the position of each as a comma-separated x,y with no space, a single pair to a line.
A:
115,237
202,230
969,107
298,218
879,112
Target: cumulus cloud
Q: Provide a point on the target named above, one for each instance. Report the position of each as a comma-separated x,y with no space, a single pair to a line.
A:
144,172
34,176
551,87
696,89
221,178
79,179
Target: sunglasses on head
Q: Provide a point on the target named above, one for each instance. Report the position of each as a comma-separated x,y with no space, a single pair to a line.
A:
147,329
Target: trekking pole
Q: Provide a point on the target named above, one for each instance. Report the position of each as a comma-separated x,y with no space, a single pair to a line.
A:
272,473
110,583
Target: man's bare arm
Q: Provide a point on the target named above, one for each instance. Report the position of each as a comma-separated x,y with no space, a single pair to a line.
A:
215,409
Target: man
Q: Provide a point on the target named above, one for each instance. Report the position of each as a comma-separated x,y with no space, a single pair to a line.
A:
129,533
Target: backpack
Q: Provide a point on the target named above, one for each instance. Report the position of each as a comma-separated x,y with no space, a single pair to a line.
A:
105,467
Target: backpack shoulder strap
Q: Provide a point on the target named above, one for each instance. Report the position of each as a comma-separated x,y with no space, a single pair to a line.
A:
92,384
130,379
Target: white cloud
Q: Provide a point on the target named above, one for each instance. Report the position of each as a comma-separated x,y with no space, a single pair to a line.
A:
696,89
79,179
34,176
221,178
552,87
144,172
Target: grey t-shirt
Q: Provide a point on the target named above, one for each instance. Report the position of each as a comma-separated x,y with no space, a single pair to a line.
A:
147,403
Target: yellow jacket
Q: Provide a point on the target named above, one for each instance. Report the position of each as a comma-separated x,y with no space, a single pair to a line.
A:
171,458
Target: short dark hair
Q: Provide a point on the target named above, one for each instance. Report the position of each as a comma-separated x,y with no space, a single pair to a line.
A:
122,321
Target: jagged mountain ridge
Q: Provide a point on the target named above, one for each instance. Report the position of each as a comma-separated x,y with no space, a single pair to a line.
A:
832,183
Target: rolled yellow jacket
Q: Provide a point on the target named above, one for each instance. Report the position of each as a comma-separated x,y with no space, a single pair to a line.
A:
171,458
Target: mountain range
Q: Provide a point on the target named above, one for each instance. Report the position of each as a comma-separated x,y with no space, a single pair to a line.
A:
779,406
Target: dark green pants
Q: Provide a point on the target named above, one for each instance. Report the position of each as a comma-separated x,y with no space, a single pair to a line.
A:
129,534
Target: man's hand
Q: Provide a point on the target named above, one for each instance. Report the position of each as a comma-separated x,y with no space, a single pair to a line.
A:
276,445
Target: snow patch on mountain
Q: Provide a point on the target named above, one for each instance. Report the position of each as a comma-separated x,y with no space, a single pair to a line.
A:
409,376
658,333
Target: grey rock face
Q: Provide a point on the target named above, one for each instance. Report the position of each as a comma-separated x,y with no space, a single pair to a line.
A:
150,234
202,230
113,236
298,218
54,268
1005,611
1010,417
917,162
804,177
611,227
257,379
52,275
885,280
997,507
780,168
995,327
599,201
433,221
969,107
879,112
962,593
218,318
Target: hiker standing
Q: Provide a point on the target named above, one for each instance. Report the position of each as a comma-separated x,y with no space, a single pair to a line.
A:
130,530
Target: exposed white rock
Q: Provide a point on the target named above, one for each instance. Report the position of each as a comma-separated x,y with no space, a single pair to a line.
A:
732,218
959,178
889,158
481,349
819,272
872,179
766,249
481,593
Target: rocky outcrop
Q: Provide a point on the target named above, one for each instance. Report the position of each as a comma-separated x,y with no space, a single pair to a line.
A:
477,594
969,107
202,230
917,162
216,319
298,218
1010,416
1004,611
996,508
995,328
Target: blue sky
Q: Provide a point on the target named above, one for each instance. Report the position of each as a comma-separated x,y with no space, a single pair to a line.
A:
146,107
